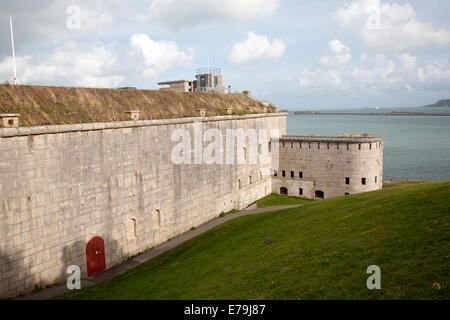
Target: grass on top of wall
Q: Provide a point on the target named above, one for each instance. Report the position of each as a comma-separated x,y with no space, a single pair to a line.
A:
41,105
318,251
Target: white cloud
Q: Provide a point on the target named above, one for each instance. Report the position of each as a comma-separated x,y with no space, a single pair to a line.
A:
386,26
70,65
337,54
97,66
46,20
371,74
157,56
257,48
187,13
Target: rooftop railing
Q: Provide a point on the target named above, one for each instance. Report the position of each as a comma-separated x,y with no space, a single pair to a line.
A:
209,71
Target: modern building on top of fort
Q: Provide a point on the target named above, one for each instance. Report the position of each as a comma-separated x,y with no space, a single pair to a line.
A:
207,80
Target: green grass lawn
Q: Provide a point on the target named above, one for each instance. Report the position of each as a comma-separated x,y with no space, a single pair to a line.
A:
279,200
396,183
318,251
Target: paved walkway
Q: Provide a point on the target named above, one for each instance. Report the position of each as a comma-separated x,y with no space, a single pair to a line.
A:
166,246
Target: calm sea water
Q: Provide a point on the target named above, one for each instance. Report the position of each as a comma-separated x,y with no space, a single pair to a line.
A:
416,148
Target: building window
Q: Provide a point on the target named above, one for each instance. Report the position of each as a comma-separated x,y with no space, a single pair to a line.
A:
370,146
309,145
275,173
283,173
292,145
347,193
337,146
244,150
131,228
239,183
359,146
320,194
216,81
363,181
300,191
318,145
11,122
328,146
347,180
348,146
156,218
300,145
292,174
270,146
250,179
282,144
376,179
300,175
284,191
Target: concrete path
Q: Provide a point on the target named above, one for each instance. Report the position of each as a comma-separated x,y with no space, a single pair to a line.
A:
166,246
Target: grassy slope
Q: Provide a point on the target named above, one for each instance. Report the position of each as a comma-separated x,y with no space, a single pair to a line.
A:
63,105
320,251
279,200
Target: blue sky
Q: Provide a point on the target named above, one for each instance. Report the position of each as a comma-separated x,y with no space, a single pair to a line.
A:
300,54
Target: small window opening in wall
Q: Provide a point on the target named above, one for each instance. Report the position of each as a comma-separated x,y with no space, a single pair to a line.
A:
318,145
282,144
337,146
328,146
239,183
292,145
309,145
320,194
348,146
275,173
156,218
131,228
359,146
347,193
300,175
363,181
11,122
300,145
347,180
370,146
284,191
244,150
376,179
292,174
300,191
270,146
250,179
283,173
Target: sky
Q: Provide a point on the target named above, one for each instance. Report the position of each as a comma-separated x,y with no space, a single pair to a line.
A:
298,54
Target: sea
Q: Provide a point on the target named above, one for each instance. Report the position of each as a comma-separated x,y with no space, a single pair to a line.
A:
415,148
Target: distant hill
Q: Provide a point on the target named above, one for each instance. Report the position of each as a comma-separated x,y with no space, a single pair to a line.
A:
440,103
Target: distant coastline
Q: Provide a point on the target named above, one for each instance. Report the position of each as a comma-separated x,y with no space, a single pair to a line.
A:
392,113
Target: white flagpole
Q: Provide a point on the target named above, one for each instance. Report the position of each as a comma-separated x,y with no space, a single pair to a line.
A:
13,53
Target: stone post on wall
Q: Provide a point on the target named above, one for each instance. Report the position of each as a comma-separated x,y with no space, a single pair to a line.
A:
9,120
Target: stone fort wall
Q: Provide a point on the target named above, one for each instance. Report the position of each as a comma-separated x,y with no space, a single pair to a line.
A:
335,166
60,186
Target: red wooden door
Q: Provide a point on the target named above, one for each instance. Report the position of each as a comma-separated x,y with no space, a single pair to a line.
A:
95,256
